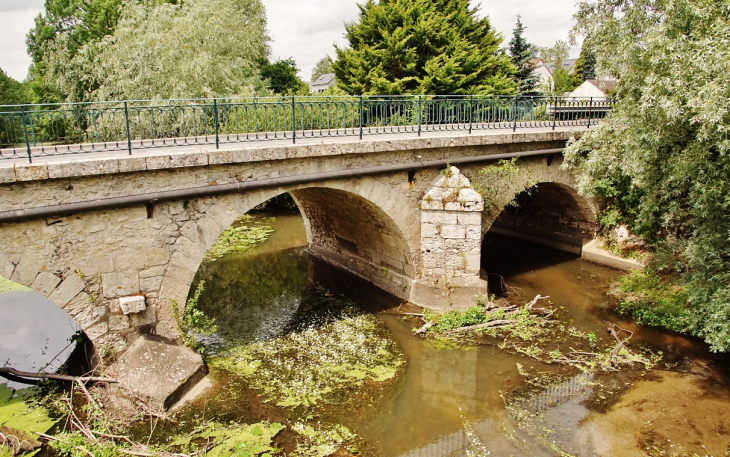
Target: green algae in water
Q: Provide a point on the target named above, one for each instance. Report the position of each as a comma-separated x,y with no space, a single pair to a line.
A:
244,441
15,411
7,285
243,235
322,441
330,350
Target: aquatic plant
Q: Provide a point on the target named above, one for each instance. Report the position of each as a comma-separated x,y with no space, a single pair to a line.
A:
192,323
322,441
329,351
7,285
240,237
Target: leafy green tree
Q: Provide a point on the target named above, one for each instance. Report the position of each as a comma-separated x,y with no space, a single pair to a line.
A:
12,92
422,47
282,77
585,65
163,51
557,53
661,161
520,51
563,82
324,66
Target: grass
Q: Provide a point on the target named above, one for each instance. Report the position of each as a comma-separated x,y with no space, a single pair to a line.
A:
654,300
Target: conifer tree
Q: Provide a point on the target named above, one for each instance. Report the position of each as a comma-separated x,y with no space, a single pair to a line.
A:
520,51
422,47
585,65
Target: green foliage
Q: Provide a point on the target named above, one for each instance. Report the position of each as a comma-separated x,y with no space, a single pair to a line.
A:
243,235
520,51
655,300
664,149
557,53
12,92
323,66
282,77
422,47
192,323
111,49
562,82
246,441
496,184
322,441
585,65
76,444
457,319
333,350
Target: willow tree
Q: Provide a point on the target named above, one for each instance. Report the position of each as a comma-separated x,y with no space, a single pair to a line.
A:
157,49
422,47
660,163
67,27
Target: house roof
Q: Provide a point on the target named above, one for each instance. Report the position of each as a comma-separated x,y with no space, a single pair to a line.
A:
603,84
324,79
567,64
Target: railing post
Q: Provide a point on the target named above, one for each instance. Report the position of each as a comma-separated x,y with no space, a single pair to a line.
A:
25,133
420,113
590,112
293,121
514,116
471,110
555,111
215,123
126,121
361,116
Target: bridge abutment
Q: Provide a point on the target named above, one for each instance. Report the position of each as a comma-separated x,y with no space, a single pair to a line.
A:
451,229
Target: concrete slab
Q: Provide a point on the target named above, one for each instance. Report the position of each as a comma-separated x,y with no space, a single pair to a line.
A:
158,371
593,252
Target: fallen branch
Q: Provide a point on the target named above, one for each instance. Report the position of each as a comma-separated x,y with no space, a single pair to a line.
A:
61,377
494,323
534,301
424,329
621,343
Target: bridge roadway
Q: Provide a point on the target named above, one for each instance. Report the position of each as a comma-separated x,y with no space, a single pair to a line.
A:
51,157
94,231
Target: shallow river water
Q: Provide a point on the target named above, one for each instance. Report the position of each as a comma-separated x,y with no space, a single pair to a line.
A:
681,407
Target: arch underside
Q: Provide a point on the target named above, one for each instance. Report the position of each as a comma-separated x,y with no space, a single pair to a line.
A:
355,234
551,214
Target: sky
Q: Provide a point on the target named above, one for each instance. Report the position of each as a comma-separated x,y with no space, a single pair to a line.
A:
308,29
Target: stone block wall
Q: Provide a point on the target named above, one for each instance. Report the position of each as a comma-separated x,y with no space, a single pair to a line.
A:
451,228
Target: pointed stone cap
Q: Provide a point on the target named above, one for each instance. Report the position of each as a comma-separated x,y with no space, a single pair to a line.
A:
452,191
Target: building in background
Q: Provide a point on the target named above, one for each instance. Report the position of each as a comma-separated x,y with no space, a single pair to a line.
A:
322,83
596,88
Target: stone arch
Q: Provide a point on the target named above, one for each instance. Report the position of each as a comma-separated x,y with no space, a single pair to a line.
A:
573,220
550,213
352,225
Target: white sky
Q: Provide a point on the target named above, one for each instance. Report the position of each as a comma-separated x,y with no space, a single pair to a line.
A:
307,29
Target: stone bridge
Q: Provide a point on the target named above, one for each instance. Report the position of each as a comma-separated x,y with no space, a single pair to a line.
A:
112,239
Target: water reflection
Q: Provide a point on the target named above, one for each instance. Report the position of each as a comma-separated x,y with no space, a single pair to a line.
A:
258,294
36,334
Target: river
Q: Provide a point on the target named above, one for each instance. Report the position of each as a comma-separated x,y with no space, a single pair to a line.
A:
450,395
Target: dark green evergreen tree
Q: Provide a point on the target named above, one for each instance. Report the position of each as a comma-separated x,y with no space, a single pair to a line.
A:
422,47
282,77
521,53
585,65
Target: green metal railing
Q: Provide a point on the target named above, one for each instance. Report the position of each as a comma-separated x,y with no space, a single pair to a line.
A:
29,131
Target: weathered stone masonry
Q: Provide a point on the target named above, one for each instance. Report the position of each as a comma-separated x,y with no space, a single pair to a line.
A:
387,229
